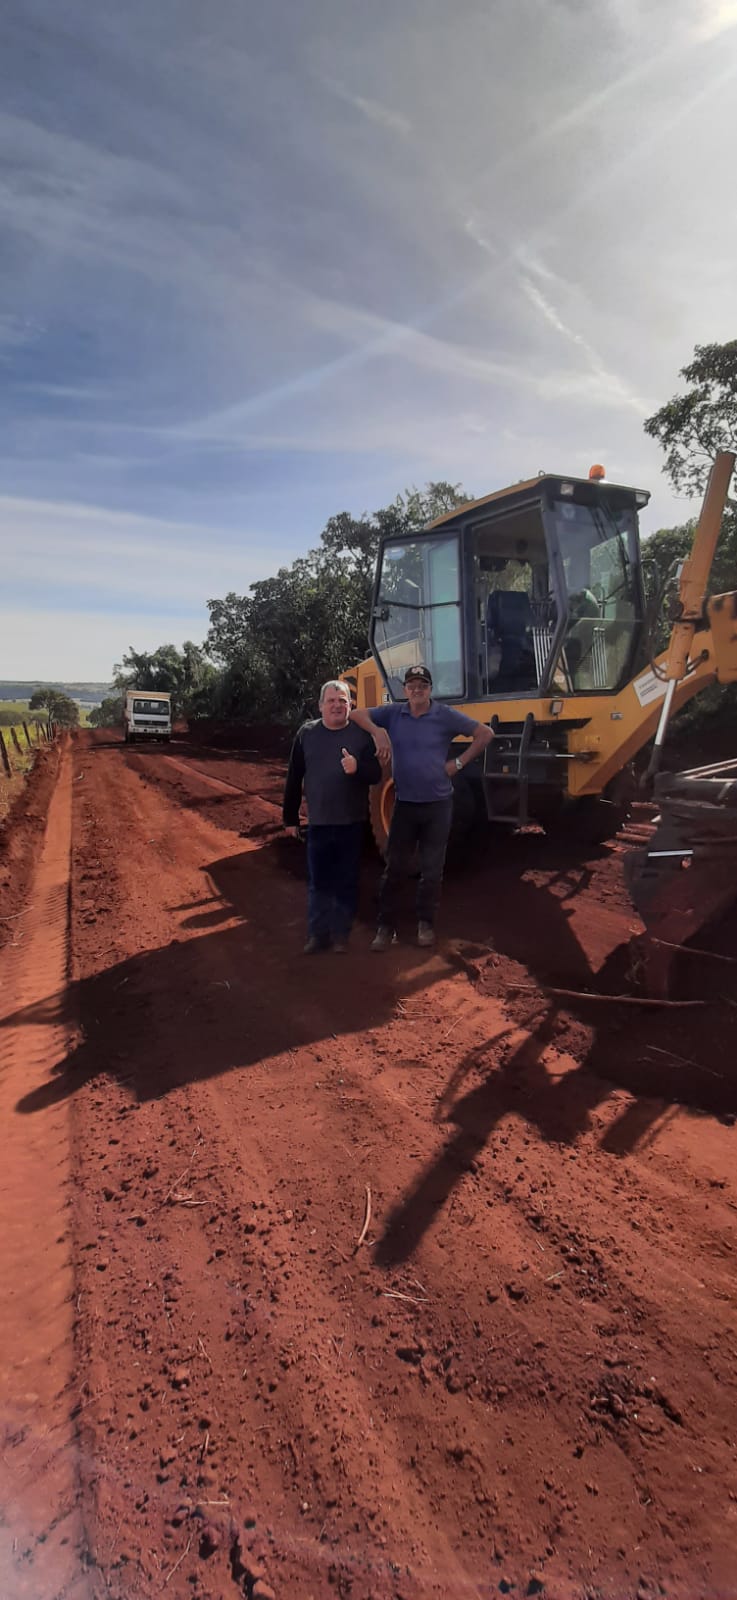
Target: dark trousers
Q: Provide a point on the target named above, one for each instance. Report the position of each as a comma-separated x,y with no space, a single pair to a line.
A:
425,828
333,863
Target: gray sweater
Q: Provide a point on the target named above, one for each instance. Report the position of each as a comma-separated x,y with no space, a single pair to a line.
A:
315,764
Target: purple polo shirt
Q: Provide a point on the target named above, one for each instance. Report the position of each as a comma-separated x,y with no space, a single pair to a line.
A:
420,746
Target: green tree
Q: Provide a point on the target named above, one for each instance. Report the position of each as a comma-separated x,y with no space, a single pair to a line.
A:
61,709
184,674
280,641
109,714
691,428
43,699
694,426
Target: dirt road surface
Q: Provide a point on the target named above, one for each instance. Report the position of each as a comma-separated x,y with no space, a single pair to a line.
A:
523,1380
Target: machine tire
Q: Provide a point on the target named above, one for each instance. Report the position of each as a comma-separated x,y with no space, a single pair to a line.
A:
591,820
594,818
381,806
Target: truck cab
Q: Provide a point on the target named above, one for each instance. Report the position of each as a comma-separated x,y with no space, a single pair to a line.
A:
146,716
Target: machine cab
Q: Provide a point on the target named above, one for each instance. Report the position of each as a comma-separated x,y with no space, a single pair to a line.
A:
531,591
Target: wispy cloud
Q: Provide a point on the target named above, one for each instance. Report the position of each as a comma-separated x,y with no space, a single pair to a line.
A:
610,388
16,333
90,550
65,643
382,116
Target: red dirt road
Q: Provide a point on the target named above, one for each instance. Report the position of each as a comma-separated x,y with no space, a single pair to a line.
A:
524,1380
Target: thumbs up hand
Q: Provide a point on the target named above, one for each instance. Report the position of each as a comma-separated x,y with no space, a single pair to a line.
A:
349,763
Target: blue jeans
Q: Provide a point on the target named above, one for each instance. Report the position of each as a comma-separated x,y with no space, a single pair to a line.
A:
415,826
333,864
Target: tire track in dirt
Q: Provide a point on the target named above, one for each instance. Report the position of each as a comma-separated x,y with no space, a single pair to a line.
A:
41,1538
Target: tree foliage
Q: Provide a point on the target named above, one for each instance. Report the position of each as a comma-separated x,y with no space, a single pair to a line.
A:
109,714
277,644
61,709
692,427
185,674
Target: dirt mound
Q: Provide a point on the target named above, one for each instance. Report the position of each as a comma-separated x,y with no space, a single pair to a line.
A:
262,738
21,834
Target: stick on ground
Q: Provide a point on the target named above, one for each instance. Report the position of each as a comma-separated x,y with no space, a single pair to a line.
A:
610,999
179,1562
366,1220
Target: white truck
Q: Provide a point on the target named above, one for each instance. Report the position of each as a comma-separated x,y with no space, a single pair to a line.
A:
146,715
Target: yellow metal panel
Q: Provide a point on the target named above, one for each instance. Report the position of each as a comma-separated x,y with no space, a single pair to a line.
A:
722,613
616,726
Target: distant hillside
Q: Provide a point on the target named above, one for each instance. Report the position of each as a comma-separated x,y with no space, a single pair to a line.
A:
87,694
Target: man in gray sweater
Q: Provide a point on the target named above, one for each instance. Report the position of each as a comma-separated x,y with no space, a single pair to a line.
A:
335,763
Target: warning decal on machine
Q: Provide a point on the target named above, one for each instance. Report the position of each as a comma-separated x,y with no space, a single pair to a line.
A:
648,688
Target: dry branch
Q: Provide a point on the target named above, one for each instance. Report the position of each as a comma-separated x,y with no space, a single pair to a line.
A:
395,1294
179,1562
366,1220
690,950
610,999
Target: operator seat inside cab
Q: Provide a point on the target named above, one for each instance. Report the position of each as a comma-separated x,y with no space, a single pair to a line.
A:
509,625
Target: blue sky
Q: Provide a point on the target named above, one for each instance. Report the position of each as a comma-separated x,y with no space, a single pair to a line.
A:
261,264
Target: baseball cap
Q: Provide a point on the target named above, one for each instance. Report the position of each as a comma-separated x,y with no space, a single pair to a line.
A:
418,674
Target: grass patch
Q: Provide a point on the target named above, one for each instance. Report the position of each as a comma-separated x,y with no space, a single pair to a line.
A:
13,713
21,761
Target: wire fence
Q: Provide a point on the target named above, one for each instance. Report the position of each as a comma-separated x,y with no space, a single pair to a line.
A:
19,744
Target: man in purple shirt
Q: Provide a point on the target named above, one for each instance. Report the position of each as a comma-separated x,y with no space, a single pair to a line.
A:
416,734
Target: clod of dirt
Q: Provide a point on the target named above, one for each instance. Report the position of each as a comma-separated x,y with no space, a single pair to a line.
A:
210,1540
180,1378
181,1514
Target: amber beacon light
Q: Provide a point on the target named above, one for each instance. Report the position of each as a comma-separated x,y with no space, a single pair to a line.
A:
597,472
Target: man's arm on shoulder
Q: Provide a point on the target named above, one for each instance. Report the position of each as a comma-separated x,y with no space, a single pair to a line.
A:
377,717
294,781
376,721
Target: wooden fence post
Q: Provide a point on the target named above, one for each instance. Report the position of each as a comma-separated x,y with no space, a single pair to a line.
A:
4,757
48,733
38,733
27,734
16,741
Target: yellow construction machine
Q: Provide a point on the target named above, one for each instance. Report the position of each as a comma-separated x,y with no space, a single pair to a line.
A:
528,606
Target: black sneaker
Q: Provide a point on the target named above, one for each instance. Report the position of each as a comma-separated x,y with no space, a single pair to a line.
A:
314,946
